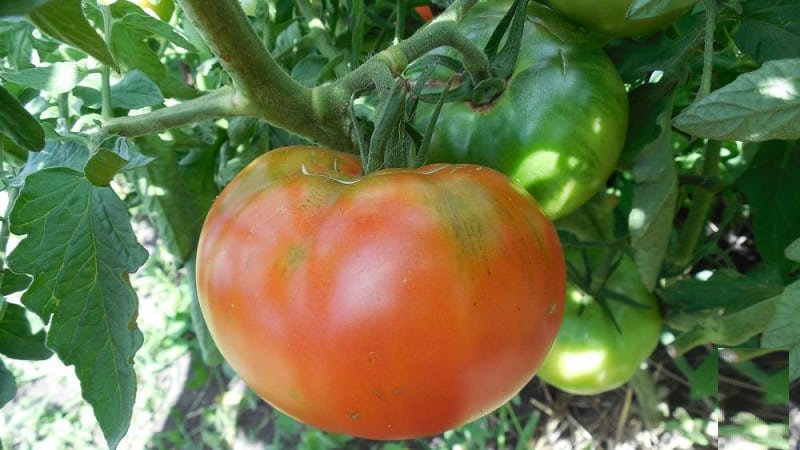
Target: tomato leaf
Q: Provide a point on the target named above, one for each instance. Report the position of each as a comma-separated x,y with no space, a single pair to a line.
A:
772,180
56,78
643,9
19,7
727,289
8,386
655,194
155,27
703,380
208,348
80,248
782,331
793,251
769,29
17,340
18,124
166,197
728,329
102,166
64,21
760,105
135,90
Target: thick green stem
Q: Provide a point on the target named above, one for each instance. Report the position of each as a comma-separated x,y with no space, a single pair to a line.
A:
263,89
701,205
273,95
105,73
708,49
704,197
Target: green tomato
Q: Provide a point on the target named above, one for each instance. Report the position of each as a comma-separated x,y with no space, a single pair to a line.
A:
559,126
590,355
161,8
609,17
249,6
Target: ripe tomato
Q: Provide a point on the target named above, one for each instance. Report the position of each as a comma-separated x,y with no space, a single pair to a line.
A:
559,126
609,17
590,355
425,13
161,8
393,305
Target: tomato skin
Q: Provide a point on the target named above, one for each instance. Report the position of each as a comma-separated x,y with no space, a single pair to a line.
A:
394,305
161,8
590,356
609,17
559,127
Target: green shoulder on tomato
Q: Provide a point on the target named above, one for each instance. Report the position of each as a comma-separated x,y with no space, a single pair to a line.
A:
609,17
559,126
590,355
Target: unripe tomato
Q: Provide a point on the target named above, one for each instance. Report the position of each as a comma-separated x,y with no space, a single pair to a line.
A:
393,305
609,17
249,7
560,124
590,355
161,8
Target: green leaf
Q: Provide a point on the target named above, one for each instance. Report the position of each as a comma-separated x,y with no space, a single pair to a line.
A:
79,247
18,124
793,251
208,348
55,79
135,90
16,43
655,194
643,9
728,330
152,26
102,166
771,185
54,154
64,21
726,289
17,340
703,380
782,331
760,105
166,198
8,386
769,29
19,7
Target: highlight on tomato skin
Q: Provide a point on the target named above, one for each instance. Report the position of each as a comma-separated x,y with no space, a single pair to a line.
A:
394,305
590,355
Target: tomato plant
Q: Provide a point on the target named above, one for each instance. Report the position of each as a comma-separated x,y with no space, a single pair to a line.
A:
559,126
393,305
591,355
161,8
610,17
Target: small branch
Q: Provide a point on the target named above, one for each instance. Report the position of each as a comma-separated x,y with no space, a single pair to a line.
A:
224,102
708,49
704,197
273,95
701,205
440,32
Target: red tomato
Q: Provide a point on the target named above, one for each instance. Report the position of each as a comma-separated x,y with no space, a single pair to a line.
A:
394,305
425,13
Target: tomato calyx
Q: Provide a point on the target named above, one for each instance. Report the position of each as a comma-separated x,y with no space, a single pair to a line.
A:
592,280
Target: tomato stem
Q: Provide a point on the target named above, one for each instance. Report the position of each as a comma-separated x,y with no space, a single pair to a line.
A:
701,205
